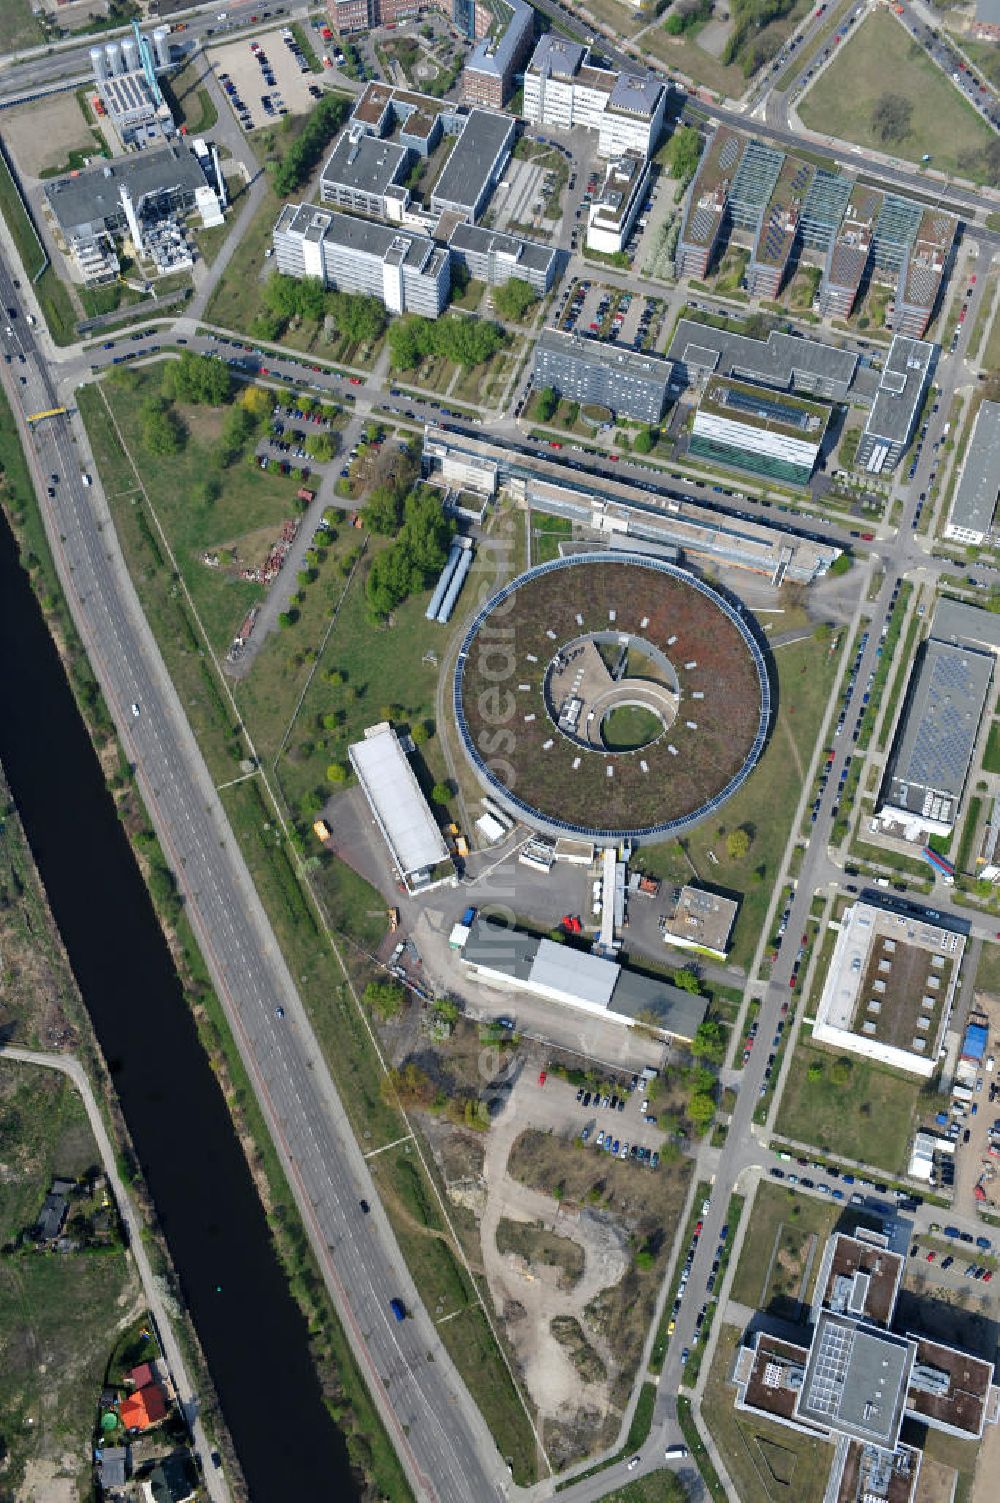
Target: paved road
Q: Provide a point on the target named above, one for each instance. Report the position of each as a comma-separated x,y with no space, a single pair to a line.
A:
214,1481
438,1432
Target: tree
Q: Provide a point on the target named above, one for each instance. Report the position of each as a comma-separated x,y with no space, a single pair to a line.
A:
420,733
890,118
737,844
514,298
684,149
815,1071
441,793
701,1109
385,998
360,319
841,1071
688,982
162,430
709,1041
304,153
546,403
319,446
643,442
197,379
238,427
256,401
384,510
336,773
841,564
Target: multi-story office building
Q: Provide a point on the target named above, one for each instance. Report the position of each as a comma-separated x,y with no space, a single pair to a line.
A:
785,204
974,507
491,67
475,165
895,409
563,89
614,212
587,370
363,172
493,257
405,271
780,361
755,428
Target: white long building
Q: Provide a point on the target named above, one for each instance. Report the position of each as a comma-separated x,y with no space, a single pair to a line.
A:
563,89
401,812
406,271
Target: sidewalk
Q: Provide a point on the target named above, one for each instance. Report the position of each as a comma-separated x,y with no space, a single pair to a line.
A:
214,1482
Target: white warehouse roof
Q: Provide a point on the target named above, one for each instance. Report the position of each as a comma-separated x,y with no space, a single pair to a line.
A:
571,975
391,788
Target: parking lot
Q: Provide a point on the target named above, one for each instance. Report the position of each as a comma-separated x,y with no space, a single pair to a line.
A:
609,314
245,71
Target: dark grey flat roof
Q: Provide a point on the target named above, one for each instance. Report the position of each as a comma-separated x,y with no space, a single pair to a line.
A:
674,1010
96,193
473,158
601,352
942,719
958,623
773,360
364,163
901,389
558,55
530,254
503,949
976,498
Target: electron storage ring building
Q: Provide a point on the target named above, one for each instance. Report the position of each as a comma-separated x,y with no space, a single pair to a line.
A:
611,696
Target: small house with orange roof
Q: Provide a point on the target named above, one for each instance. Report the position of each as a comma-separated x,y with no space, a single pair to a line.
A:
147,1406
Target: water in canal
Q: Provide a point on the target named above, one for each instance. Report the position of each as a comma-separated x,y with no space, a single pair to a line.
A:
252,1332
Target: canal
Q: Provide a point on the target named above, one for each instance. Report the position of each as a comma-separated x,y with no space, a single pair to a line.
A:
252,1332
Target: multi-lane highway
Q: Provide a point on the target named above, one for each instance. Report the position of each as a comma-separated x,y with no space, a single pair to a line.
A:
438,1432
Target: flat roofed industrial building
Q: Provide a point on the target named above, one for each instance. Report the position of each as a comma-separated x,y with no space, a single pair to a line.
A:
621,514
590,370
517,961
783,361
890,987
474,167
404,818
493,63
564,88
974,506
852,1382
493,257
700,920
932,752
955,622
404,270
758,429
85,204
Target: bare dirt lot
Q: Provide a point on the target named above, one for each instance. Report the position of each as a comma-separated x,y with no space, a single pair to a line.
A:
42,135
558,1226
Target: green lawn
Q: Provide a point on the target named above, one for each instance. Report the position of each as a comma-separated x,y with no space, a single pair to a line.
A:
51,291
988,972
869,1118
991,756
766,1461
656,1487
18,26
765,804
881,57
780,1215
59,1314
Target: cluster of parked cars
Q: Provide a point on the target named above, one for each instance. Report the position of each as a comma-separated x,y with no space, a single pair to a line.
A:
686,1275
853,678
576,302
613,1098
288,37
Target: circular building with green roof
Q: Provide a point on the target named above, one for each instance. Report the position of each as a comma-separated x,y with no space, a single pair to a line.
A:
611,696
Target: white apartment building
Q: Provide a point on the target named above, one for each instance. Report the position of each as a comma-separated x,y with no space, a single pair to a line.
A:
405,271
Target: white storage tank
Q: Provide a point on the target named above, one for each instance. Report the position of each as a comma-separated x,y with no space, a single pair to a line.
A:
113,57
99,63
161,46
130,54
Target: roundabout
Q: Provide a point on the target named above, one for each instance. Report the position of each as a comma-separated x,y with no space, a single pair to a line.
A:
611,695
